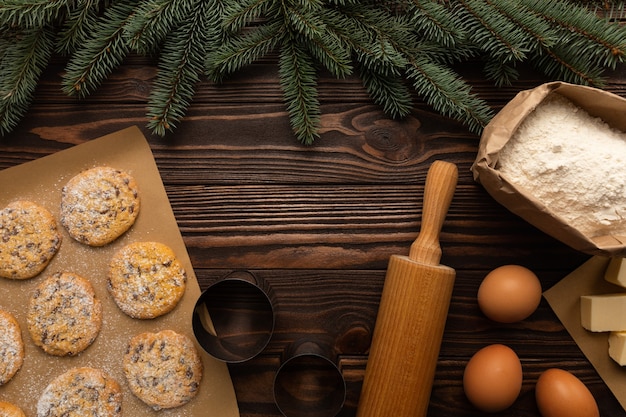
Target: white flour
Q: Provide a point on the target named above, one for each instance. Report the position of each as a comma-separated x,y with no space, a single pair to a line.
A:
575,164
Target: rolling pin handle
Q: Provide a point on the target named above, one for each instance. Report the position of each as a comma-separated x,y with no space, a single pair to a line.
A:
438,192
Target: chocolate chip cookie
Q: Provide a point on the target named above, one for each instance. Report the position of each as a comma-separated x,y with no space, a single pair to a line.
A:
29,239
64,315
81,392
146,279
99,204
163,369
11,347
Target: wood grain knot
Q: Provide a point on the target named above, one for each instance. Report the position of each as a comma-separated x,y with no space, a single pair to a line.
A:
355,340
393,140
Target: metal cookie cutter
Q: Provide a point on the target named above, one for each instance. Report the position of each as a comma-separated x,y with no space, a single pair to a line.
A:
234,318
309,382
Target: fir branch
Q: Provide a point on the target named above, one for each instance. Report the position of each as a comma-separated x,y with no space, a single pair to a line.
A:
370,43
448,93
28,57
298,82
492,32
180,67
241,51
434,22
389,92
101,54
305,21
34,13
591,36
539,34
153,20
78,26
564,64
380,64
329,51
238,15
390,42
502,73
215,35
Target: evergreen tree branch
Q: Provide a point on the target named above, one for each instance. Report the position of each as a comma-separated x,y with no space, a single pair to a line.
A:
434,22
370,43
101,54
537,32
241,51
79,24
153,20
327,49
448,93
589,35
566,65
29,56
180,67
502,73
390,42
240,14
303,20
298,82
492,32
34,13
389,92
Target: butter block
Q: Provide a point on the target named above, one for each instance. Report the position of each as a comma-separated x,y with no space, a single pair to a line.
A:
617,347
603,313
616,271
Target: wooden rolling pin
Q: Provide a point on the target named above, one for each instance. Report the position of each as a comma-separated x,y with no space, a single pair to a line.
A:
412,313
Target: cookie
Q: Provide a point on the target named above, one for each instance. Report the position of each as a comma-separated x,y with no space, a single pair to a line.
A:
29,239
81,392
98,205
10,410
64,315
146,280
11,347
163,369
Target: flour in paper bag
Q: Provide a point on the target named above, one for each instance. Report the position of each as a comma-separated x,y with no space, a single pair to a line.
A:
572,162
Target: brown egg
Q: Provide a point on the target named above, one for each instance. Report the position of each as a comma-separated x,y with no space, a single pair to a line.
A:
492,379
509,294
561,394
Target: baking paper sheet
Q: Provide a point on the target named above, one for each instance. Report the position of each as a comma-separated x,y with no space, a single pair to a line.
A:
41,181
564,298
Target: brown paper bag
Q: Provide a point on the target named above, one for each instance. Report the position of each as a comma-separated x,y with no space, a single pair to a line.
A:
609,107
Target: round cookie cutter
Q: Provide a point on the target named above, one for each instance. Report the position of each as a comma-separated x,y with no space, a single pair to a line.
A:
233,320
309,382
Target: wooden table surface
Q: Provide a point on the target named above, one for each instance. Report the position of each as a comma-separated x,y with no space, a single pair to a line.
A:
320,222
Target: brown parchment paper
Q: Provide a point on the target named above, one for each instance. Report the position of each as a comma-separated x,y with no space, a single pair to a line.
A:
609,107
41,181
564,298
